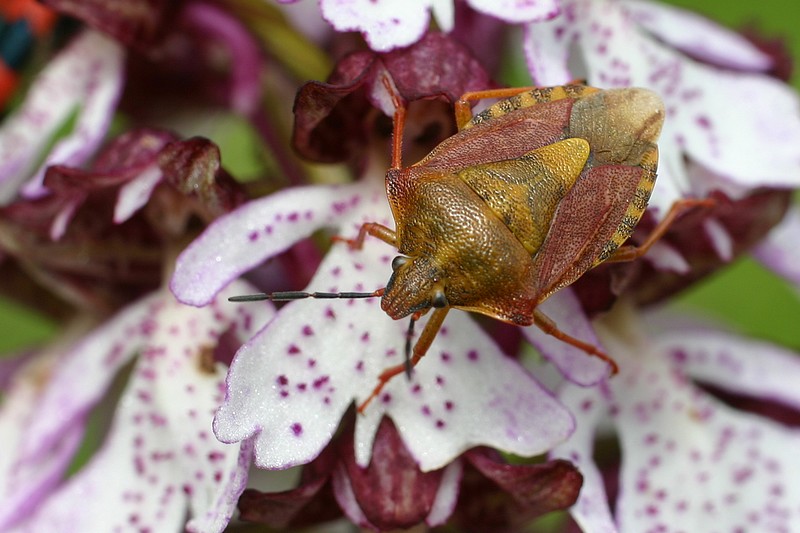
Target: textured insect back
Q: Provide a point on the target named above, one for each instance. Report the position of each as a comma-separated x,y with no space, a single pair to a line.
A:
525,192
601,210
627,135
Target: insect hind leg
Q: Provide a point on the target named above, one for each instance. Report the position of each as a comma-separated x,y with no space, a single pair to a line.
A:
631,252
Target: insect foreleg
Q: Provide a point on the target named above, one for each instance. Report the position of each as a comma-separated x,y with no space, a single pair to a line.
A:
370,228
420,349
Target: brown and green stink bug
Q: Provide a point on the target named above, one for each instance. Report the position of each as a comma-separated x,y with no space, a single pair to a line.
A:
525,198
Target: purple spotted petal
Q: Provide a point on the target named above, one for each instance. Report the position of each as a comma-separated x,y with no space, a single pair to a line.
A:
164,457
698,36
737,364
779,251
25,483
290,385
93,363
575,364
590,408
385,24
688,459
86,75
517,11
245,238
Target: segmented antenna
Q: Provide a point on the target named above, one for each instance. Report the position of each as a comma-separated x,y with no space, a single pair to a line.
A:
286,296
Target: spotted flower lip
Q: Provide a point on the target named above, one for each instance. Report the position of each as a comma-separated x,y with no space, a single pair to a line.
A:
160,448
687,457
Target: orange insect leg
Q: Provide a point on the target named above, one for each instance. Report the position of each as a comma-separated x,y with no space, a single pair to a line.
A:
420,349
630,252
547,325
369,228
463,107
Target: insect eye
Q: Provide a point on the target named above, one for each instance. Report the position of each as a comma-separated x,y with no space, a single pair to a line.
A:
399,261
439,300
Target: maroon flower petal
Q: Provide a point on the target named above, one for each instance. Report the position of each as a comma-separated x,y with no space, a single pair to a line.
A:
330,123
498,496
392,492
137,23
311,502
193,168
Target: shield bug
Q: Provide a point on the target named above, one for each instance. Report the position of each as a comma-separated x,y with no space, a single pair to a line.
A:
526,197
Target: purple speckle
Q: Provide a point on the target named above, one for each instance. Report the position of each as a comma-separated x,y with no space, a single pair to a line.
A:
360,366
386,398
472,355
426,410
282,380
268,229
293,216
216,456
253,236
448,405
445,357
365,336
440,380
416,389
302,387
308,330
293,350
297,429
312,363
440,424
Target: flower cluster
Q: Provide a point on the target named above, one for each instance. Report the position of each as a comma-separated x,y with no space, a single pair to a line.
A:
161,406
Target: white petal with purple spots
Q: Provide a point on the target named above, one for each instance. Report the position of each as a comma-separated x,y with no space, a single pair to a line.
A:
698,36
385,24
517,11
86,78
258,230
165,459
689,462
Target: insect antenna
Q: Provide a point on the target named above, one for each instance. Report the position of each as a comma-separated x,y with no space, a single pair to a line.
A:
409,339
286,296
